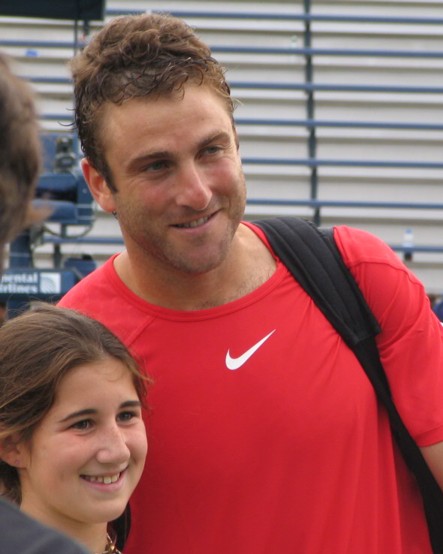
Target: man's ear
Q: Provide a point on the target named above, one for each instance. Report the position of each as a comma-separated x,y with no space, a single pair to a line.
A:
14,452
97,185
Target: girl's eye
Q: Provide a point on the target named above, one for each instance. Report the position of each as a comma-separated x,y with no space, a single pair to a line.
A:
126,416
82,425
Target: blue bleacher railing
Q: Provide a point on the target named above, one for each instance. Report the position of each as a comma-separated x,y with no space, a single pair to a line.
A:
311,161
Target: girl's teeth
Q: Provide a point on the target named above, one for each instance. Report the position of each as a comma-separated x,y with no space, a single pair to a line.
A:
106,479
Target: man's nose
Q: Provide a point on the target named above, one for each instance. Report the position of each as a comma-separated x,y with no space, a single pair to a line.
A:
193,188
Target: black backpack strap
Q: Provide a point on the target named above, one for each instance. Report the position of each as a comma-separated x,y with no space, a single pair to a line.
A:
317,265
312,257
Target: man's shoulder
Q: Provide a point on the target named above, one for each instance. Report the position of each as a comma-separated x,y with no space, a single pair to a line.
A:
103,296
359,246
90,289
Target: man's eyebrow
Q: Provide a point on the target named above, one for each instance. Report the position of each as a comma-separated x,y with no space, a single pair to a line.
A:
219,135
147,157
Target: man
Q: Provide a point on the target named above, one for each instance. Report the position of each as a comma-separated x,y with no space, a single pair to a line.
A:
265,435
19,166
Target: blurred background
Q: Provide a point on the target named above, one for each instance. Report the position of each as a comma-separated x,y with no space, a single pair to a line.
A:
340,121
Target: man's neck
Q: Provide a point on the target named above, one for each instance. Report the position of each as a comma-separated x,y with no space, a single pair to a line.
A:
248,265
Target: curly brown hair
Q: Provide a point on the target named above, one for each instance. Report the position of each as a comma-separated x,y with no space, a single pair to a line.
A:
138,56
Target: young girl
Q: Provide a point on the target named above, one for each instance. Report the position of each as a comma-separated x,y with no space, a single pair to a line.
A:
72,438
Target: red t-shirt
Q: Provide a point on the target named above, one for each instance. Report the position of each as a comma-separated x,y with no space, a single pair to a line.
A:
264,433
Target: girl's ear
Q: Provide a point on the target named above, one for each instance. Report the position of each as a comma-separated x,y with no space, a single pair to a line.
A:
13,451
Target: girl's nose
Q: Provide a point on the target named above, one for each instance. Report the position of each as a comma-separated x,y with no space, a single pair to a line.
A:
113,447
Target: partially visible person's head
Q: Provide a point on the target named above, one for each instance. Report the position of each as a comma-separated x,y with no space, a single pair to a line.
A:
39,351
139,56
19,152
3,312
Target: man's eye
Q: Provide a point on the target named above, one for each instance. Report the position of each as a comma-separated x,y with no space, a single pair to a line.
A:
212,150
157,166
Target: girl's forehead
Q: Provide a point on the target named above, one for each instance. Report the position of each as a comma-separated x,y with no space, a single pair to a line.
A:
94,383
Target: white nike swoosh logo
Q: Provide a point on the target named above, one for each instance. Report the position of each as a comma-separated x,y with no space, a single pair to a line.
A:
235,363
